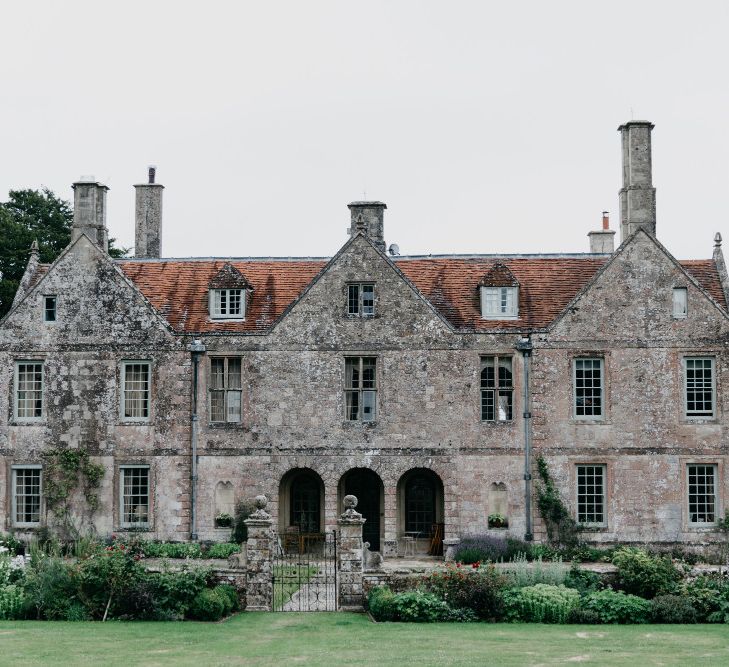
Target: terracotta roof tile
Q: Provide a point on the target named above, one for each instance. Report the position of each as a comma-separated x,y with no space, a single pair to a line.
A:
179,288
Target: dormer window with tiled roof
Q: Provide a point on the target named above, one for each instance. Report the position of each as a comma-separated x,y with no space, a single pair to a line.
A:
228,292
499,294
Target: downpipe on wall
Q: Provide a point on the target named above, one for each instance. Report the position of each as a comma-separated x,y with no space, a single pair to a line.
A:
197,349
524,345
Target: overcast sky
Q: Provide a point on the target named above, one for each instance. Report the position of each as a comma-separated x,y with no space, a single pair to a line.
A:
485,126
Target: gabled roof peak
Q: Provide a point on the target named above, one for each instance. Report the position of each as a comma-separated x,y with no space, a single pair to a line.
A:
229,278
499,275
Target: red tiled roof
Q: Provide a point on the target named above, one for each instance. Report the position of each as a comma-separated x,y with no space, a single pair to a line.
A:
178,289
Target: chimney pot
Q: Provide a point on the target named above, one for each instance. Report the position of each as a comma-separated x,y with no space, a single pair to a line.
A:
152,171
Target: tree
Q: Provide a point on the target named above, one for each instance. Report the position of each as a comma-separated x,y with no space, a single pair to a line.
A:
26,216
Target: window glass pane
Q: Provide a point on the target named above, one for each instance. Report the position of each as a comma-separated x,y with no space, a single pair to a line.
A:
368,373
702,493
352,398
217,373
234,381
368,406
49,309
360,384
699,387
136,390
234,302
234,411
27,495
368,299
505,398
505,374
680,302
29,394
353,300
135,496
591,494
588,387
352,373
496,405
217,406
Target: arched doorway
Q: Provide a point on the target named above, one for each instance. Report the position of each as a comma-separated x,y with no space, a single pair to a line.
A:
367,486
420,509
301,501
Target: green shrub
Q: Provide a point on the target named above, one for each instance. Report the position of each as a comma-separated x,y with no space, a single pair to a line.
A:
175,592
617,607
12,602
221,550
77,612
584,581
672,609
643,574
706,594
50,587
422,607
380,603
416,606
479,590
172,550
208,605
541,603
231,594
11,543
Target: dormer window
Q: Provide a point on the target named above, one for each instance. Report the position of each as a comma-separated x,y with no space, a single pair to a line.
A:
500,303
227,304
499,294
229,294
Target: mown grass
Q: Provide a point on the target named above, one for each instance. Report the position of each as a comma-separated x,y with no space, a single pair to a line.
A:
351,639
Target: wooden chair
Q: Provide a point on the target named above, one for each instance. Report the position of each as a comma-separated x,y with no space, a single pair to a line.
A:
436,540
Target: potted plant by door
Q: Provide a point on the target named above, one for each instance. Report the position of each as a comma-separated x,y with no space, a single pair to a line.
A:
498,521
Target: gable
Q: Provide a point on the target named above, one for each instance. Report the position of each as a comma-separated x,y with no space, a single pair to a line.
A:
632,299
320,316
95,305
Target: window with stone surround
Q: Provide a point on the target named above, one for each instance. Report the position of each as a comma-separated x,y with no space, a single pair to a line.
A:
699,386
361,299
225,390
27,490
702,500
499,303
591,495
134,496
360,388
135,390
588,387
29,386
227,304
49,308
680,302
497,388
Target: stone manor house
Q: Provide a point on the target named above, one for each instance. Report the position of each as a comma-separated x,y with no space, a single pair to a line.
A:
426,386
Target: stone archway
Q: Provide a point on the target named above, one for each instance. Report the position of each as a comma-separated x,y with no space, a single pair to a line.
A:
370,491
301,501
420,502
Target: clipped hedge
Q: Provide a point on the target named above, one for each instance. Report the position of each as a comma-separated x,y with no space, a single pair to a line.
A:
617,607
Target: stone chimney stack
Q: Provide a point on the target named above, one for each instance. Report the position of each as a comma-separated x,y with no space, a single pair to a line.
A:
637,196
373,215
602,240
148,217
89,211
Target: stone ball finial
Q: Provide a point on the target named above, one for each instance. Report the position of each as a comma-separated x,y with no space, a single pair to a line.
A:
717,240
350,502
261,502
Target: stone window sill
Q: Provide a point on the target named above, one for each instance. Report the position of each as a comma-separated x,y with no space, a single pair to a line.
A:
226,426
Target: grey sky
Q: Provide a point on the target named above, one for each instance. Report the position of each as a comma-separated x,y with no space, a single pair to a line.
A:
484,126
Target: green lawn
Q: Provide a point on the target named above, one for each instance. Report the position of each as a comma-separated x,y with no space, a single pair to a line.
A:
351,639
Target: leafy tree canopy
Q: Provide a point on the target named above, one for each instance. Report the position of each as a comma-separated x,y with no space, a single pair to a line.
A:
26,216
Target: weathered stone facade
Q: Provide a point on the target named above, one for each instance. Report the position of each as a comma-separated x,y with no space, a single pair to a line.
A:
438,461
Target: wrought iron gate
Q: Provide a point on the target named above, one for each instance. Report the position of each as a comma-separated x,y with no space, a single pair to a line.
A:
305,572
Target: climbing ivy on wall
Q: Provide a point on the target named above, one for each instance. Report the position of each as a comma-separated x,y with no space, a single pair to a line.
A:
561,527
64,471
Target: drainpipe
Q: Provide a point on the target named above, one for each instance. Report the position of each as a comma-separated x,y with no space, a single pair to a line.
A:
197,349
524,345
